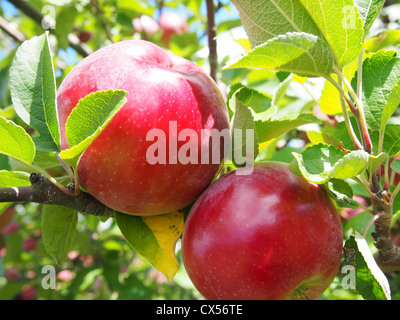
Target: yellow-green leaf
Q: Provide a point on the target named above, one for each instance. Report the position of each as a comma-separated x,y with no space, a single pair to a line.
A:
15,141
154,237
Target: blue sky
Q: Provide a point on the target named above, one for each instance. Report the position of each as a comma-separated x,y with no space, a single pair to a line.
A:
8,8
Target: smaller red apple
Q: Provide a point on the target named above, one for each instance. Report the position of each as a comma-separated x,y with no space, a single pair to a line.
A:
6,217
145,24
28,293
84,36
65,275
11,228
73,255
171,23
13,273
30,244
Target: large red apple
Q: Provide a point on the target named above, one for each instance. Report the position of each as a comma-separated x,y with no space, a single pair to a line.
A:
171,23
266,235
165,91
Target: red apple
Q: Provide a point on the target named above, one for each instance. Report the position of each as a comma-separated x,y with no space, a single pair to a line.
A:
11,228
171,23
6,217
145,24
266,235
28,293
13,273
65,275
84,36
30,244
164,89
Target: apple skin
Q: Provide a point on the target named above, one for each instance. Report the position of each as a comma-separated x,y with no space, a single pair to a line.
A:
171,23
269,235
162,87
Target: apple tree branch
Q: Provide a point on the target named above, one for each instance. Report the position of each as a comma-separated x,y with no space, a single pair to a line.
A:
43,191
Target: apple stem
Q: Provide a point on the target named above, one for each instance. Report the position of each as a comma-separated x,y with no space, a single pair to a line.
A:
44,191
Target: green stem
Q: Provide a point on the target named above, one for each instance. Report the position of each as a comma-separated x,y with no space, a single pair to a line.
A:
362,182
360,108
359,73
349,126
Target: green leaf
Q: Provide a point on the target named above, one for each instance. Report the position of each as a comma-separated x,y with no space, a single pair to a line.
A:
243,125
376,161
33,91
381,73
321,162
154,237
15,141
382,40
391,105
391,140
395,166
298,52
337,23
58,227
280,93
259,103
265,19
371,282
273,128
341,26
342,192
12,179
368,10
88,119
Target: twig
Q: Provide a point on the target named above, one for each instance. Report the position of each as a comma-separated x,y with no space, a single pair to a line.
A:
160,6
212,41
99,13
11,31
43,191
388,256
369,224
36,16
